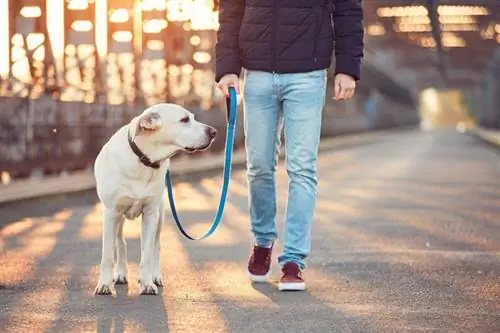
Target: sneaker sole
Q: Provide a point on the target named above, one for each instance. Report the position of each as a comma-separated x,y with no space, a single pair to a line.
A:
259,278
292,286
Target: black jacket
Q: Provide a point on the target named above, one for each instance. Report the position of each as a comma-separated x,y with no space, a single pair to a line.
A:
289,36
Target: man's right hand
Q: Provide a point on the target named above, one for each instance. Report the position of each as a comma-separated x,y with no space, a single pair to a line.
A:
229,80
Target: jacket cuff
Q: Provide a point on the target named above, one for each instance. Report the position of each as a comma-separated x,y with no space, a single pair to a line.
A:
224,67
349,66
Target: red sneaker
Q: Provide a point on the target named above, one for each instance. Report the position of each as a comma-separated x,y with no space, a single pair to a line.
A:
260,263
291,280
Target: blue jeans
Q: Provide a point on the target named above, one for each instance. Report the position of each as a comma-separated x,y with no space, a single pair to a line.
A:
295,101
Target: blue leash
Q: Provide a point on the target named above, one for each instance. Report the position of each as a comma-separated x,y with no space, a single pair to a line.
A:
231,105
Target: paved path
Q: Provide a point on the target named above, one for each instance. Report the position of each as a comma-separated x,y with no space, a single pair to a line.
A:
406,239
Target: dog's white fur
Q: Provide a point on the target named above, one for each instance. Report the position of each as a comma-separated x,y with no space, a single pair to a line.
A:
127,188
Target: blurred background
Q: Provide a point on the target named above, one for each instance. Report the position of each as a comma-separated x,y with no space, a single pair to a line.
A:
406,234
73,71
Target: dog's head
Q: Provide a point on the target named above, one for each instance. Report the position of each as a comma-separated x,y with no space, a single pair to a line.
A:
172,125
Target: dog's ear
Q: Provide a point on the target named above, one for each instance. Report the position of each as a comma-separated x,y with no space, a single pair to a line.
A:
148,123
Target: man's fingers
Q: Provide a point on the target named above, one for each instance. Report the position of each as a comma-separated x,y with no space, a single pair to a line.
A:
224,88
236,87
349,93
344,87
343,93
336,90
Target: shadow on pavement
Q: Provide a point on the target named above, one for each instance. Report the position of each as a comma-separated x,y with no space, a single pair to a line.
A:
406,238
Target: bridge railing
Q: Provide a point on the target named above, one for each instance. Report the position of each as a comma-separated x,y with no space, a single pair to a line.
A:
45,136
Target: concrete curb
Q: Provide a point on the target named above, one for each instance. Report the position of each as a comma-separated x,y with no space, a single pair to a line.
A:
84,180
489,136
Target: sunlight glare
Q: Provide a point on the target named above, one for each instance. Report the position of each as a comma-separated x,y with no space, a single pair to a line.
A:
155,45
192,15
101,29
122,36
154,26
195,40
119,15
202,57
4,38
150,5
78,4
55,19
82,26
31,11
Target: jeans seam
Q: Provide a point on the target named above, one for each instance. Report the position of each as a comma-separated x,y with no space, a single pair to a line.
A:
274,161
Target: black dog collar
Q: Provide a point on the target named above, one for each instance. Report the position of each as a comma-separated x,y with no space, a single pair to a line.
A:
142,157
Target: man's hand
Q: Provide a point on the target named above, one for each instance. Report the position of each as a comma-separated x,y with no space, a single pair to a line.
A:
344,87
229,80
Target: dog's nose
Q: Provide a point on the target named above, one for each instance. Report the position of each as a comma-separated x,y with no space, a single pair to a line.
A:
211,132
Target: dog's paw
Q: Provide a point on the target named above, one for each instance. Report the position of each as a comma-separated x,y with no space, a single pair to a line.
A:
148,289
158,280
121,279
103,289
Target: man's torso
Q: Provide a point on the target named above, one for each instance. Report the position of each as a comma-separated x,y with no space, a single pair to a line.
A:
286,36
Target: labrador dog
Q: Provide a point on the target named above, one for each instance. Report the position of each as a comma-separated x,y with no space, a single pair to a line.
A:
130,172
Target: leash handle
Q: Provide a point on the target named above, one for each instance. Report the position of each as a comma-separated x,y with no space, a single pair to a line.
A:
232,110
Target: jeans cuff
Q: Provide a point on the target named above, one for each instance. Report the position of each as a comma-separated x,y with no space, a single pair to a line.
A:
300,263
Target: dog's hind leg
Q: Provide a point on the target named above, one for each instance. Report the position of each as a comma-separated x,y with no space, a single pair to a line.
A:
150,218
121,254
110,221
157,277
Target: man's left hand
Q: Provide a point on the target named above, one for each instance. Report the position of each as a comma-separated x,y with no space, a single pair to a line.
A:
344,87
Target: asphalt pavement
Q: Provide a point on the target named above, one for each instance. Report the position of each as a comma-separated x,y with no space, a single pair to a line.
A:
406,238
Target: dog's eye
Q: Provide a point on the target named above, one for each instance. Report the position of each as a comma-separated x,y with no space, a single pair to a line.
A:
185,120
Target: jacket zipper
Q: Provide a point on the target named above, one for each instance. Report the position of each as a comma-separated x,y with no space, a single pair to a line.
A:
274,32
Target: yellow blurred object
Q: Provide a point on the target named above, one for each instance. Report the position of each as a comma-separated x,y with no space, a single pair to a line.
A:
443,109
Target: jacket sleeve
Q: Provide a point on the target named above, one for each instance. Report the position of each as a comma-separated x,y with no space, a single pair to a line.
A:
227,53
349,33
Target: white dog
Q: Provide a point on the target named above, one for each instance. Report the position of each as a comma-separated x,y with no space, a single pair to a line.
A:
130,172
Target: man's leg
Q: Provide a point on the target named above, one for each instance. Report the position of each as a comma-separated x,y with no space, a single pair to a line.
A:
303,102
262,125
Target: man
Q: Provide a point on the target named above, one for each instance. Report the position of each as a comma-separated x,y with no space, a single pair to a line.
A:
286,47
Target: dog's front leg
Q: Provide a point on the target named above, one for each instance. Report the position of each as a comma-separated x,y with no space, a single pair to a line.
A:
110,221
157,277
150,220
121,254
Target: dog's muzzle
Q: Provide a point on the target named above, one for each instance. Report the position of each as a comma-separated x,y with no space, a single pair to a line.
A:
211,134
